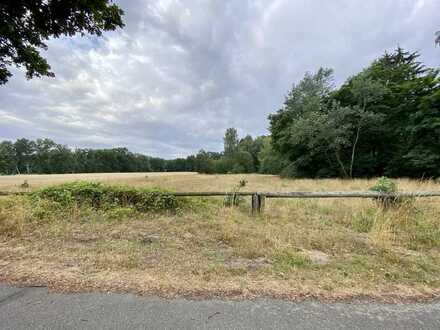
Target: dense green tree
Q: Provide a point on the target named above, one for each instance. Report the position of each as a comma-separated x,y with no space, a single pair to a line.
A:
384,120
253,147
243,162
408,89
230,142
24,152
270,161
25,25
43,156
7,158
293,125
421,155
204,162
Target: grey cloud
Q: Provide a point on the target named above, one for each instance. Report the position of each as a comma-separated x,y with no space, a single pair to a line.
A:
181,72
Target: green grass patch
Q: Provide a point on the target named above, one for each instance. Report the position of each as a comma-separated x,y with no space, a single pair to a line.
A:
288,261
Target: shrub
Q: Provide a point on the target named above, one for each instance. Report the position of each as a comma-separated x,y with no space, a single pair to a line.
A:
385,185
100,196
389,188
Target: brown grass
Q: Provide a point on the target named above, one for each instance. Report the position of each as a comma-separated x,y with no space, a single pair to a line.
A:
210,250
190,181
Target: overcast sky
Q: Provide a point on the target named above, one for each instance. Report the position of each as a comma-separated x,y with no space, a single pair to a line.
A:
181,72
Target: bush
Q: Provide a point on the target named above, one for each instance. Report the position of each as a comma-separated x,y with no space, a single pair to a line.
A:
99,196
388,187
385,185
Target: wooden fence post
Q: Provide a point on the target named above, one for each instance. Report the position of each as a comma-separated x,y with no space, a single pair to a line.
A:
262,202
257,203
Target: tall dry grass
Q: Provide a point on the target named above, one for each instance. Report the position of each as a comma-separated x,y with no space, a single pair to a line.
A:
310,247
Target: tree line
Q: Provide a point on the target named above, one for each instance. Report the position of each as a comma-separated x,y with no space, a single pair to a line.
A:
44,156
385,120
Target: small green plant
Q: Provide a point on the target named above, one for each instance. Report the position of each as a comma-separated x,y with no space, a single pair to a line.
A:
385,185
388,188
121,212
233,198
286,261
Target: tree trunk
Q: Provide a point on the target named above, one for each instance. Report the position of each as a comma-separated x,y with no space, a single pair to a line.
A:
341,164
354,150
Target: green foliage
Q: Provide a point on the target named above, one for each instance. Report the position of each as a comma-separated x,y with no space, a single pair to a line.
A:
26,25
243,162
230,141
7,155
99,196
121,212
384,120
287,261
385,185
270,161
388,186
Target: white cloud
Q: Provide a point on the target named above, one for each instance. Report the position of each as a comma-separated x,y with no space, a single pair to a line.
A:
181,72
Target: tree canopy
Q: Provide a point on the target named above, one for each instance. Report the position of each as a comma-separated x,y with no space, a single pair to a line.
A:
382,121
25,25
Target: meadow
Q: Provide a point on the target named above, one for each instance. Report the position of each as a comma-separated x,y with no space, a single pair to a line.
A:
320,248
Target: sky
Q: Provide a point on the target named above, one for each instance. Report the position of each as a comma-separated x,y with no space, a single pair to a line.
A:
181,72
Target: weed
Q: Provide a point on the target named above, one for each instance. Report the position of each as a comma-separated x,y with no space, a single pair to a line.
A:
286,261
363,222
233,198
389,188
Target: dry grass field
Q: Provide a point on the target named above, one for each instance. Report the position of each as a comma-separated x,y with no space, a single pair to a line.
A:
326,249
190,181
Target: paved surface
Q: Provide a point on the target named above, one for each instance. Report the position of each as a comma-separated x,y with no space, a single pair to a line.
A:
35,308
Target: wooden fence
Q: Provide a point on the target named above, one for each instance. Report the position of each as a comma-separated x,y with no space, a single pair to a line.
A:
258,198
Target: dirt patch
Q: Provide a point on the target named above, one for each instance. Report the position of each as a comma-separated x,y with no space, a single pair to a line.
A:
318,257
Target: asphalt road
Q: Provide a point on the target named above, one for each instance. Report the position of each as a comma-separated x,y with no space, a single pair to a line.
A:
35,308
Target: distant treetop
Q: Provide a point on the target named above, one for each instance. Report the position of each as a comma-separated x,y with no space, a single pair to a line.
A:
25,25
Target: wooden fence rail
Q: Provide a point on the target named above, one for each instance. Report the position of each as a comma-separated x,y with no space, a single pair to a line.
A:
311,194
258,198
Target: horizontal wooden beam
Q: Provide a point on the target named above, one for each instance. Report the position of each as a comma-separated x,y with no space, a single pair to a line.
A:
348,194
313,194
212,193
292,194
